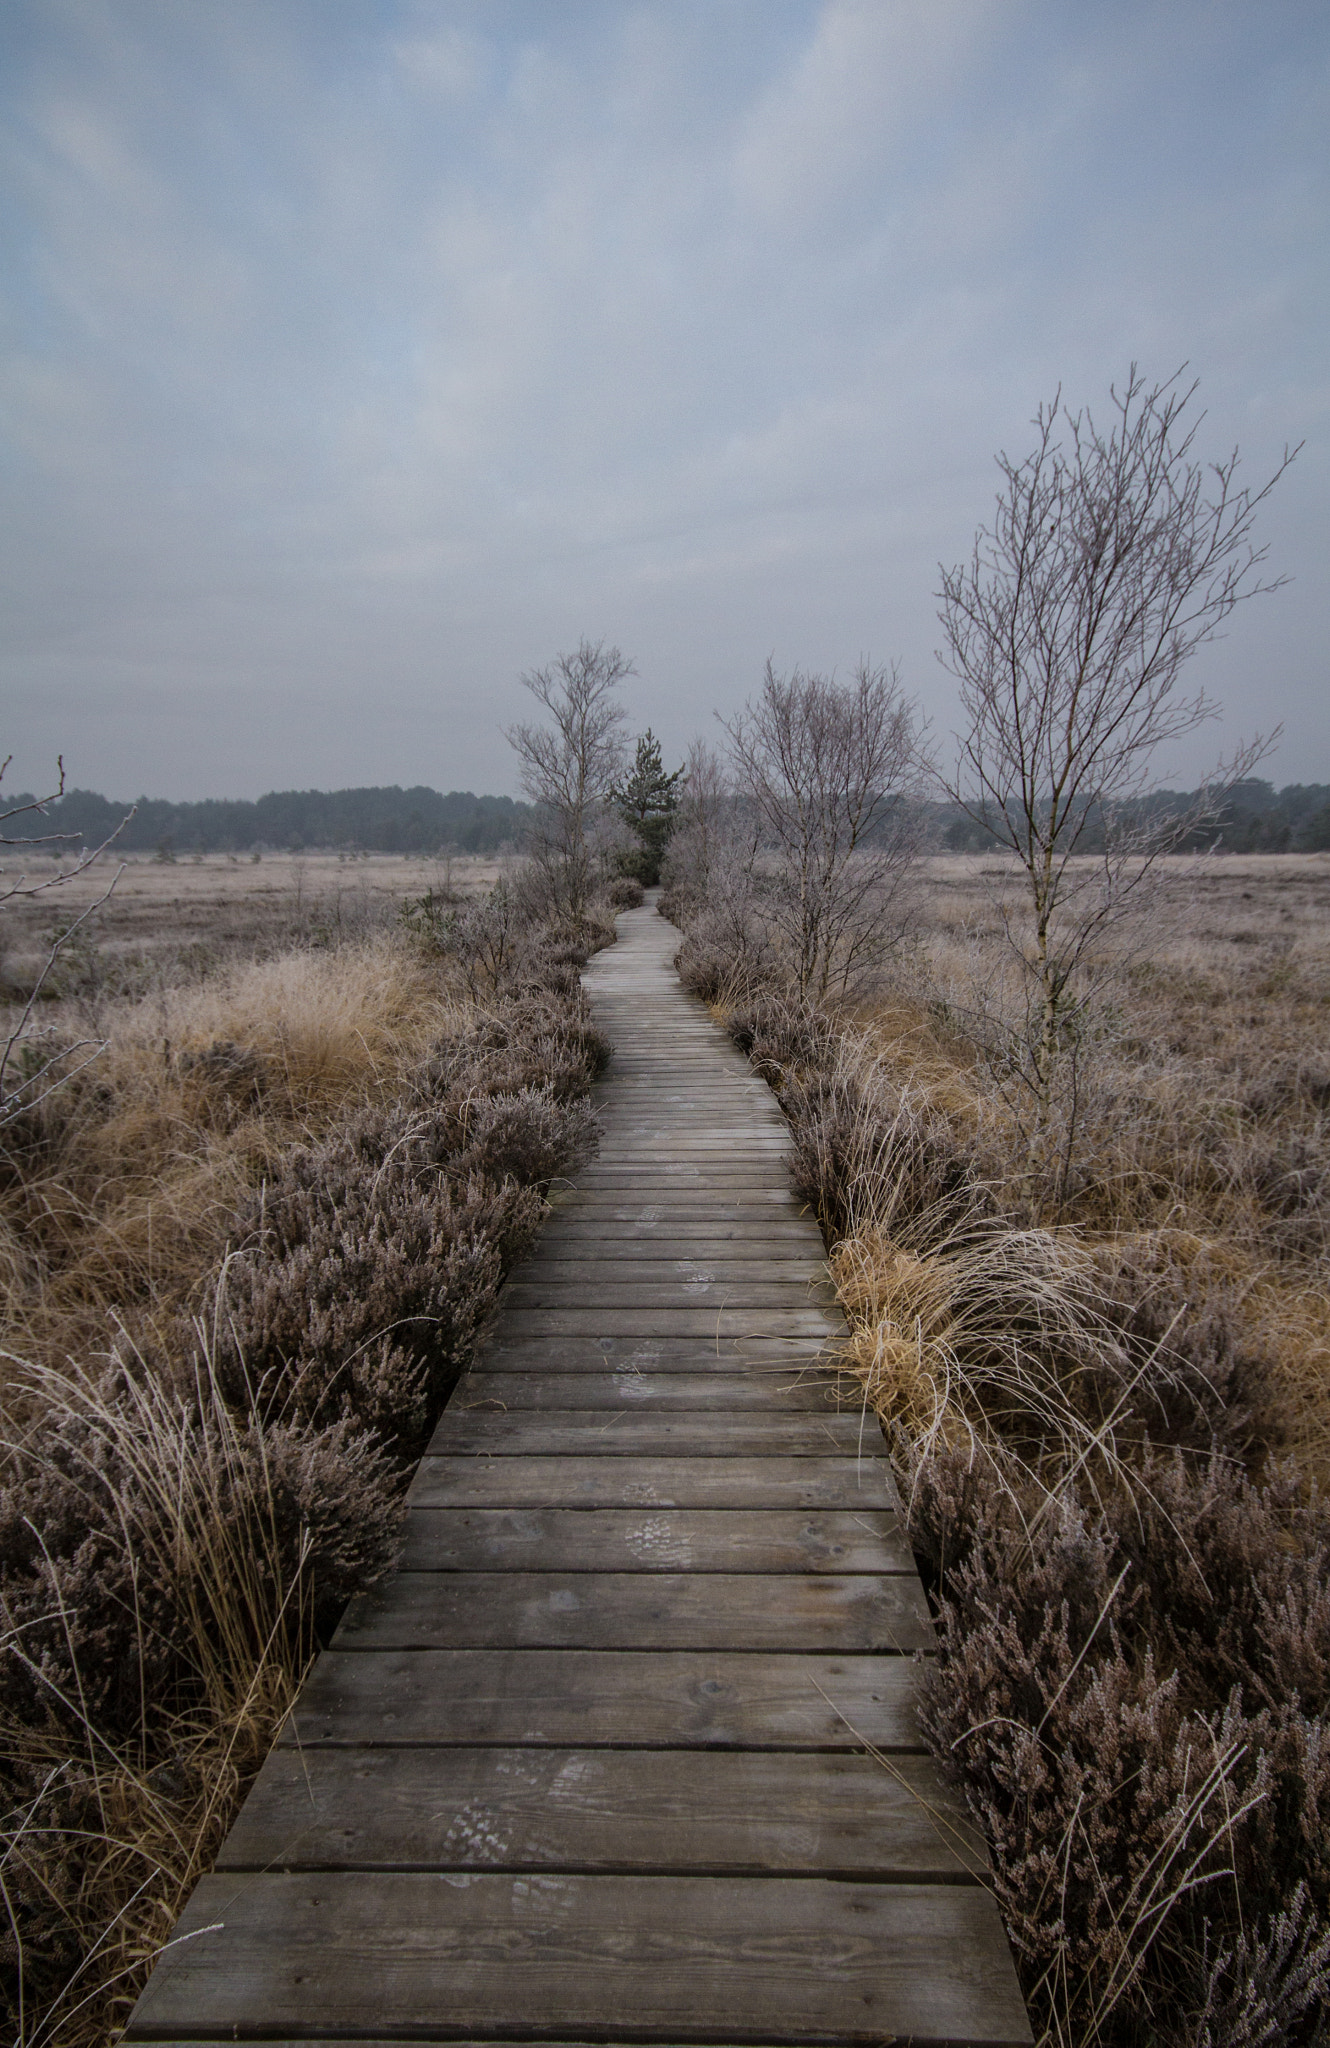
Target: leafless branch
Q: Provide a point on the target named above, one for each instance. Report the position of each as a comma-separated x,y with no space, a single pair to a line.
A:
827,771
1113,556
569,768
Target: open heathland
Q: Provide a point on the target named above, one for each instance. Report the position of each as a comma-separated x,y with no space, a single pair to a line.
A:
1104,1373
248,1246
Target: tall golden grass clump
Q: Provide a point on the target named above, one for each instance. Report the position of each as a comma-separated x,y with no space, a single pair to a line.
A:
120,1189
248,1251
1107,1397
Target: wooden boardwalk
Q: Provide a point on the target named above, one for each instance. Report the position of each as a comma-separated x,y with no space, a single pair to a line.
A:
591,1766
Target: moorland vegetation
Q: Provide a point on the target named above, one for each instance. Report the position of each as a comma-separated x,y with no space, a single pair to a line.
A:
1061,1110
256,1201
1060,1105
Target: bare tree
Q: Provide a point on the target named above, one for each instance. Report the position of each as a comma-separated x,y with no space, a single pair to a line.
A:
710,871
33,1063
827,771
1111,558
569,768
703,829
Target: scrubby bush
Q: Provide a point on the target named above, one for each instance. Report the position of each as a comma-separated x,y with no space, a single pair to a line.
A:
1174,1301
167,1560
1134,1698
1132,1684
183,1517
371,1262
153,1533
725,957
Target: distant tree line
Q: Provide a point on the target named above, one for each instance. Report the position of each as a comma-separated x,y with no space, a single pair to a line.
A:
388,820
1254,818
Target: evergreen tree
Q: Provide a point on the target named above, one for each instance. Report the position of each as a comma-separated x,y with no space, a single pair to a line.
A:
648,802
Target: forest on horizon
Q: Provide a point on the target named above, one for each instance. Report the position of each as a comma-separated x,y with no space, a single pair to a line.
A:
1256,819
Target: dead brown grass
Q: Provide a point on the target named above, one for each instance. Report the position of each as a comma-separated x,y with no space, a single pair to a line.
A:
1206,1111
247,1250
1109,1406
121,1191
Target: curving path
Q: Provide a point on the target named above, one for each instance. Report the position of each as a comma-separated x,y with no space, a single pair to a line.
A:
592,1765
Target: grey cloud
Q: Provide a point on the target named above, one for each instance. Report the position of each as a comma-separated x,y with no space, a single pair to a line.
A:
353,363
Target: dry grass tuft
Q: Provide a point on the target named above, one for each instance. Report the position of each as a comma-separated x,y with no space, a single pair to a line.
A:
1109,1406
249,1251
163,1557
120,1189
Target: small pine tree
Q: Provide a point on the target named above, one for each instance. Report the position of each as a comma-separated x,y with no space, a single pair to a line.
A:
648,802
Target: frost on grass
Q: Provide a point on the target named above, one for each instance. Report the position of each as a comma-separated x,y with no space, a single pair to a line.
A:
1092,1414
253,1258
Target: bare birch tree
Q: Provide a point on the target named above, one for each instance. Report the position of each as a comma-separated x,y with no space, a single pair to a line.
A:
1112,557
827,771
569,768
34,1062
703,831
709,871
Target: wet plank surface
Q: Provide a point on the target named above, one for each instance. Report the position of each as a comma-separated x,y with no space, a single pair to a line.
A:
626,1749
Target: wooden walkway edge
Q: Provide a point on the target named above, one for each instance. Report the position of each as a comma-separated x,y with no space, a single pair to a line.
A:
593,1765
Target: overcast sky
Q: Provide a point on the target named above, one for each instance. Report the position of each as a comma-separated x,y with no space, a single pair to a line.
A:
358,354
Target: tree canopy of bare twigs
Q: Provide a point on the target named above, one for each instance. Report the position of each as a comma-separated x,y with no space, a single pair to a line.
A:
33,1063
1114,554
826,771
570,766
703,828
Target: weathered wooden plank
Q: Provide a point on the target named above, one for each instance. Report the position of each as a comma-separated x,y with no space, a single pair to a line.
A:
619,1265
688,1610
506,1347
735,1080
636,1432
775,1217
633,1431
650,1540
814,1324
662,1174
587,1809
592,1698
726,1108
717,1149
702,1122
641,1135
703,1201
538,1292
707,1139
794,1960
782,1392
556,1357
681,1174
683,1238
831,1482
610,1265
